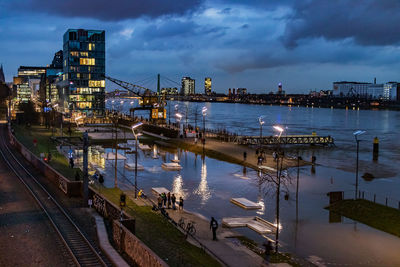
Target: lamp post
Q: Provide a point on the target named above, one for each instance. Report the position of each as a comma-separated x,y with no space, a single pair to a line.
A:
278,188
178,120
356,134
135,126
204,112
261,122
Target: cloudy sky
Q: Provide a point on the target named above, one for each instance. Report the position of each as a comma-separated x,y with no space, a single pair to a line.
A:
305,44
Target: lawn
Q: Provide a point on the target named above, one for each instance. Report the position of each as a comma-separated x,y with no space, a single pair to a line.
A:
375,215
44,145
162,237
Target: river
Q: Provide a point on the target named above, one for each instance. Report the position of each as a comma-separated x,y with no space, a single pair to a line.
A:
310,232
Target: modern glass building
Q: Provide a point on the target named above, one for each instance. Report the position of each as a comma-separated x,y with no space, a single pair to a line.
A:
82,90
207,86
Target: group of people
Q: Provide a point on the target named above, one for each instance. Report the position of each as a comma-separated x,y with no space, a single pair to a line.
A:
168,200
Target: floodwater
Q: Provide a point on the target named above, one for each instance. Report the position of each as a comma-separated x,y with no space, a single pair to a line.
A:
208,184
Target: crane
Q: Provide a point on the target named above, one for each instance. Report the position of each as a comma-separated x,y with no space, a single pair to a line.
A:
149,99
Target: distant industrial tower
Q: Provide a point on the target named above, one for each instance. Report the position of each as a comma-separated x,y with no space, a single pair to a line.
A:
279,88
188,86
2,78
207,86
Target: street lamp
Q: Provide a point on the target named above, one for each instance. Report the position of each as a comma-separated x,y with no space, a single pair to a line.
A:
135,126
204,112
356,134
178,120
278,187
261,122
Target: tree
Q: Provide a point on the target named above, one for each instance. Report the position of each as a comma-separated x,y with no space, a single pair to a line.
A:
30,114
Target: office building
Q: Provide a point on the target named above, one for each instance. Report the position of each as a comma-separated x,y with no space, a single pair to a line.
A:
188,86
27,83
207,86
391,91
82,90
57,62
345,88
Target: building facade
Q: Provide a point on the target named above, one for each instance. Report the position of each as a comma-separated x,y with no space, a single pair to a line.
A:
345,88
391,91
207,86
82,90
27,83
188,86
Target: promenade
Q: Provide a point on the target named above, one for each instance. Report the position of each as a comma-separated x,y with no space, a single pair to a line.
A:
234,153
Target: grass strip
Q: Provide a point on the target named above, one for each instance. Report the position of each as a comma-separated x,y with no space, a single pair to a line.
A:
44,145
375,215
160,236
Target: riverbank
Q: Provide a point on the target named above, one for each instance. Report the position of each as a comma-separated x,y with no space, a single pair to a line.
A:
375,215
234,153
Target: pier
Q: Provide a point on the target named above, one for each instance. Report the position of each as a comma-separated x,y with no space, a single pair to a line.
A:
284,140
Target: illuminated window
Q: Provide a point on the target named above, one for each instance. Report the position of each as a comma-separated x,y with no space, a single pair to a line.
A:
84,54
97,83
87,61
74,53
91,46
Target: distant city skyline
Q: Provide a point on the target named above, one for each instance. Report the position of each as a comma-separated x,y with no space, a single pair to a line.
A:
251,44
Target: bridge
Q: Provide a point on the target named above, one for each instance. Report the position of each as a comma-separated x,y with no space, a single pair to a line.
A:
284,140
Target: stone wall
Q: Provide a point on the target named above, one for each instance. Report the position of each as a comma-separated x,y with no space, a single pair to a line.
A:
70,188
137,251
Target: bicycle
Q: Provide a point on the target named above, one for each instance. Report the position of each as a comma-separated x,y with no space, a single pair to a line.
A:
190,229
181,223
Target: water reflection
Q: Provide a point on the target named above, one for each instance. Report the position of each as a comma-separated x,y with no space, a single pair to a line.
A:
203,190
260,196
177,186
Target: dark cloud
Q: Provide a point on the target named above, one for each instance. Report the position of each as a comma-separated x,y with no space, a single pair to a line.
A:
107,10
367,22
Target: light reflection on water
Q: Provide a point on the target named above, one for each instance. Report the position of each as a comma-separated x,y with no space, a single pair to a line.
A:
208,185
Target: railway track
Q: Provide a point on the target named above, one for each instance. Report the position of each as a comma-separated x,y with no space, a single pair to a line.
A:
79,247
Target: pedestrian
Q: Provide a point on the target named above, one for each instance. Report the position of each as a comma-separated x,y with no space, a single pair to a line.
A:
267,252
71,163
214,227
244,155
173,199
180,203
259,160
169,200
159,201
274,155
164,199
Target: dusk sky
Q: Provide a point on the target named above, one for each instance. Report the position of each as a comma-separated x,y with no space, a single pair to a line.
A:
251,43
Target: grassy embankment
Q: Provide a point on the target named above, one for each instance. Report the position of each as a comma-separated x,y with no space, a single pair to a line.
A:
162,237
44,144
375,215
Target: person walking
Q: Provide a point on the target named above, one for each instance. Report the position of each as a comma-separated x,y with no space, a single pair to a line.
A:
214,227
164,199
180,203
244,156
169,200
267,252
159,200
173,199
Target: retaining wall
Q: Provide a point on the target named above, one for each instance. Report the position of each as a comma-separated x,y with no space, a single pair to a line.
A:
70,188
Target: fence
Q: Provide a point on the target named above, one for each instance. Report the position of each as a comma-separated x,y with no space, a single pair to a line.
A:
373,197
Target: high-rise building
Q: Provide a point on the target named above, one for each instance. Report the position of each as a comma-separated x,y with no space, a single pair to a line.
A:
207,86
83,86
57,62
390,91
188,86
2,78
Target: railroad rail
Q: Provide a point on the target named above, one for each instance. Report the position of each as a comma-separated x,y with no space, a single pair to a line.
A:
79,247
286,140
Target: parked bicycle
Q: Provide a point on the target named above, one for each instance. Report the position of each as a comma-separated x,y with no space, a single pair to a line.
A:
189,227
